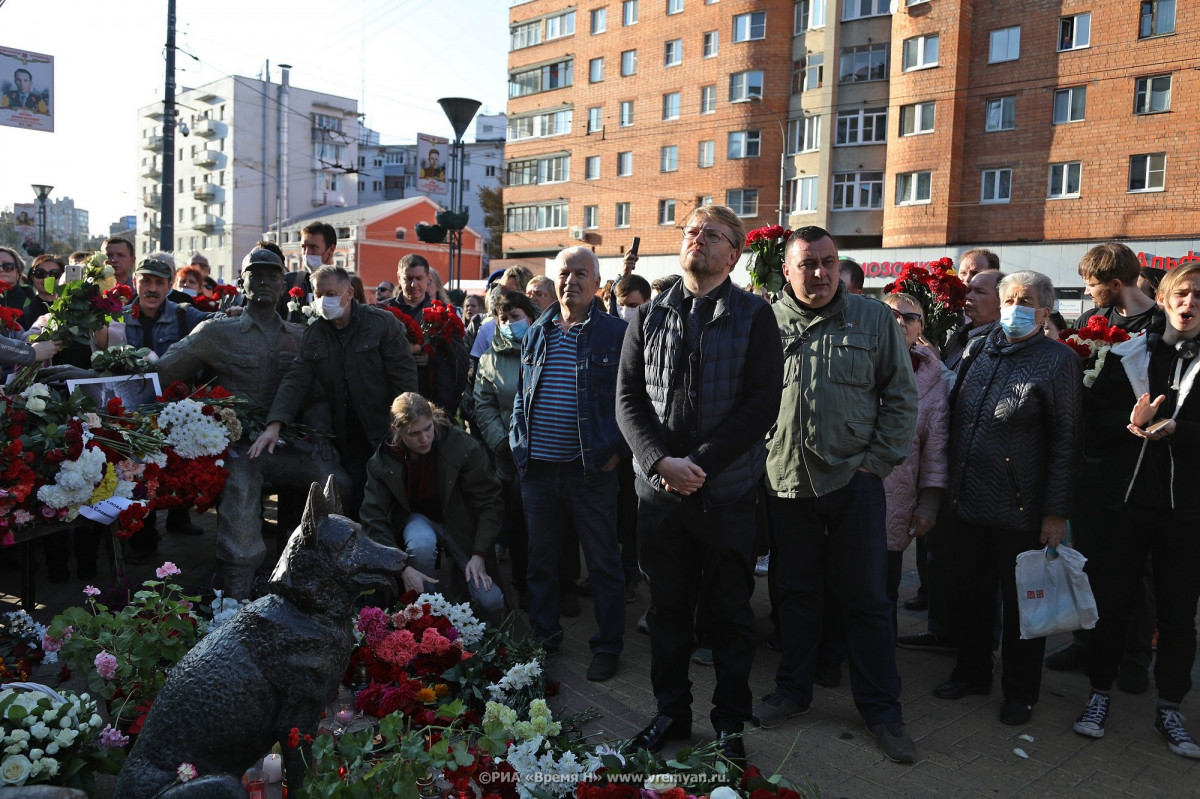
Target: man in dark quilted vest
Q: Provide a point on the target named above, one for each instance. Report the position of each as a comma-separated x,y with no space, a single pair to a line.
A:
697,391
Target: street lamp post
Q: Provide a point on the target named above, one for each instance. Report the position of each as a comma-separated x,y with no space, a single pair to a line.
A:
42,192
757,98
460,111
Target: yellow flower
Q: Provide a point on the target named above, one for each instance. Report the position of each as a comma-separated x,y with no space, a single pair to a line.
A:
107,283
426,695
441,689
107,485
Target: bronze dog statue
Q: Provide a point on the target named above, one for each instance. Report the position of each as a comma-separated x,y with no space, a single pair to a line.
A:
274,666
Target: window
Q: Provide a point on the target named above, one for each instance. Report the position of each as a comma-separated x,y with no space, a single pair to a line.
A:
526,35
666,212
1069,104
1157,18
1064,179
744,144
671,105
744,202
804,134
916,118
551,169
542,79
629,11
744,84
854,191
536,217
708,99
997,186
591,216
1004,45
628,62
750,26
861,126
808,14
1147,172
626,116
561,25
624,164
674,6
802,195
599,24
591,168
912,188
863,63
808,74
710,44
1152,95
707,153
622,214
536,126
1001,114
668,158
920,52
1074,33
858,9
595,119
673,53
596,70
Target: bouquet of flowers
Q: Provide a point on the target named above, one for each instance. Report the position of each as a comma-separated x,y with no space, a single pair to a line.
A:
20,646
221,298
941,294
1092,343
412,330
54,739
767,245
10,318
299,302
440,323
124,360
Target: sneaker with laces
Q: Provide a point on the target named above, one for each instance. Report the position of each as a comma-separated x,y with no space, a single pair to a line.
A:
761,565
927,641
1091,721
1169,723
894,741
775,709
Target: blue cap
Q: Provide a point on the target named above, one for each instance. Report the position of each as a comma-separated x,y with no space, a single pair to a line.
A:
495,276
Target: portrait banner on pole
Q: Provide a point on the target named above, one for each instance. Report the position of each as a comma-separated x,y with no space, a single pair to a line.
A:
26,89
432,154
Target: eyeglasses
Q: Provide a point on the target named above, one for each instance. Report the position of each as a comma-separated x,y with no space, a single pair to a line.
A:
710,235
381,289
41,274
9,266
914,318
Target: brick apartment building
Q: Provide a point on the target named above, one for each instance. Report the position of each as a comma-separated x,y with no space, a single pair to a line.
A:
909,123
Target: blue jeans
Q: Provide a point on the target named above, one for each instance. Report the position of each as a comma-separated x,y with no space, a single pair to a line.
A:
840,537
555,495
421,537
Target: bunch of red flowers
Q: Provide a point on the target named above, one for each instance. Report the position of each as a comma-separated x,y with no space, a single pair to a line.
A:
412,330
440,323
1092,337
767,245
10,317
938,289
111,302
221,293
197,482
132,519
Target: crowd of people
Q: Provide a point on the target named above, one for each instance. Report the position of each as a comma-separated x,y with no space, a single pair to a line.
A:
678,431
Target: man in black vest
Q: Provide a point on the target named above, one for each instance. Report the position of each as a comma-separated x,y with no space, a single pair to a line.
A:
698,388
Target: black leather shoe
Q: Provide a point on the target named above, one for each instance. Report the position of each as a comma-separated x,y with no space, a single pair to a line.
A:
952,689
733,749
603,667
1014,713
662,728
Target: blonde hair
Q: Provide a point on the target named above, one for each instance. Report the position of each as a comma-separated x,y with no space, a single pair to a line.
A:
900,298
1175,276
407,409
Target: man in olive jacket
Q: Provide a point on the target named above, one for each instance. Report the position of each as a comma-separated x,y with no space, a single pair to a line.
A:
846,420
360,357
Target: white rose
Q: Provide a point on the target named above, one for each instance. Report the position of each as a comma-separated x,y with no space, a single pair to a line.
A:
64,723
66,737
723,792
52,748
51,765
15,770
36,754
50,715
95,720
18,736
39,730
15,749
36,405
659,782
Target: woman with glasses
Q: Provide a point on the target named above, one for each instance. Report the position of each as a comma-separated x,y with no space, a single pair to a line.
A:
44,266
12,271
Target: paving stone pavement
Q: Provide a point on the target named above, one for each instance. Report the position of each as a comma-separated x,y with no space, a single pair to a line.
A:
964,751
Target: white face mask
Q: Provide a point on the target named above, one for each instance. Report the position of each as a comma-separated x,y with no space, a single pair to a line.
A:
189,292
331,308
627,313
313,261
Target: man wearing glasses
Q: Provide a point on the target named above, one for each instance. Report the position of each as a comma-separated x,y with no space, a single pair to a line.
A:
846,420
384,292
698,388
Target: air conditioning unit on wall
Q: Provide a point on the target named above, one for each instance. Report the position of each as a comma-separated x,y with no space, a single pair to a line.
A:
578,234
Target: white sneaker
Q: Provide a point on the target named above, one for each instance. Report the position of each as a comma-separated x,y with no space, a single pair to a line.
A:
760,565
1091,721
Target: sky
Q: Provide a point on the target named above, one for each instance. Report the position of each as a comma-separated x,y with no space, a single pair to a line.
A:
396,57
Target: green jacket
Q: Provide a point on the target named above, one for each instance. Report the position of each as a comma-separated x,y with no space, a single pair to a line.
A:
468,489
849,396
495,390
375,362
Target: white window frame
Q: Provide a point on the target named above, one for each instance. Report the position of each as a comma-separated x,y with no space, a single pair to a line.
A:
869,53
622,215
858,121
1060,180
625,115
1070,94
918,119
591,217
740,205
666,212
674,7
864,9
629,13
628,63
920,52
560,25
1150,19
1144,93
673,53
746,26
596,70
999,103
668,158
625,164
812,73
804,134
591,168
808,15
854,184
743,141
803,194
706,156
742,85
708,100
1070,29
712,44
914,188
595,121
994,180
1152,164
670,107
1004,44
599,20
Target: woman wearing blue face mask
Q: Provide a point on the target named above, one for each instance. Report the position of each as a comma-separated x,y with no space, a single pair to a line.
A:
1014,443
495,391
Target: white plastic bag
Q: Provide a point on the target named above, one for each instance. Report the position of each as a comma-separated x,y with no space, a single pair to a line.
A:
1053,593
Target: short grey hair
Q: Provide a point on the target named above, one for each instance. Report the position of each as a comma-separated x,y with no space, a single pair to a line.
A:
338,273
538,280
164,256
571,252
1042,286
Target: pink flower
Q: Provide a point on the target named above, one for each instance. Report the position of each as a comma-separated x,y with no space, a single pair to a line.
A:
52,644
22,516
372,623
433,642
112,738
91,590
48,512
185,772
106,665
398,648
168,569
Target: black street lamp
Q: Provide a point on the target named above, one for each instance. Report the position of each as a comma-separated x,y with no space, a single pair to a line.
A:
460,111
42,193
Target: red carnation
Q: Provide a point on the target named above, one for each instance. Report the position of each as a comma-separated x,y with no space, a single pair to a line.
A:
294,738
297,293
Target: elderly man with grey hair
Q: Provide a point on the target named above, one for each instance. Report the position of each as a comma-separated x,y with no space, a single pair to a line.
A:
1015,435
541,290
566,446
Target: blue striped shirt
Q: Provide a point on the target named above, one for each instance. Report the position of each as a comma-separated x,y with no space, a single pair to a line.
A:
554,415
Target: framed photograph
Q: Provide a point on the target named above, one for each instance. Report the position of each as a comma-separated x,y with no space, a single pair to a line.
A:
132,390
26,89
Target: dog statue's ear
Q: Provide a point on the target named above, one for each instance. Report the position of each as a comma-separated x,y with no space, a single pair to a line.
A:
331,496
314,513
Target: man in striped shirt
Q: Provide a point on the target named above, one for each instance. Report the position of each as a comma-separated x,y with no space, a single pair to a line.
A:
566,446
